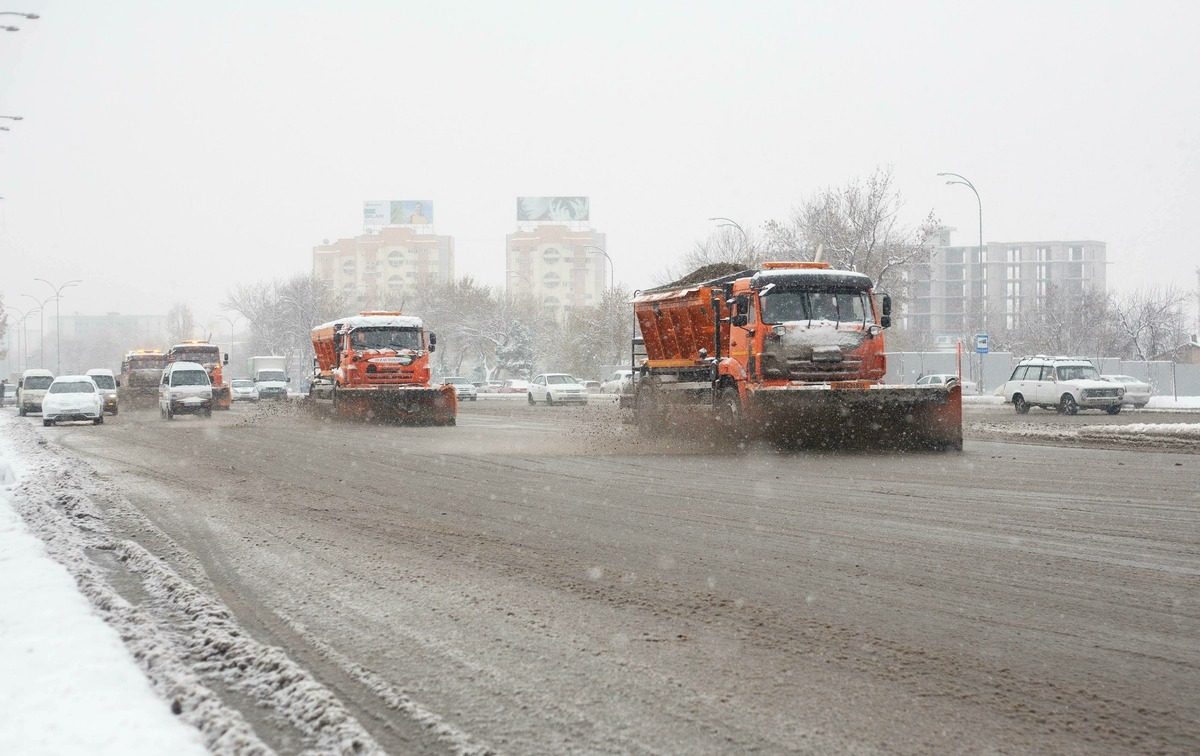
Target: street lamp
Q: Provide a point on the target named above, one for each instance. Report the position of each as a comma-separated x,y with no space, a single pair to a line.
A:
612,271
28,16
41,308
231,322
22,337
964,181
13,118
58,290
727,222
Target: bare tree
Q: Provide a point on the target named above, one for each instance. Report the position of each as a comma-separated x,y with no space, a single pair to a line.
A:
1150,321
181,324
3,328
281,314
858,227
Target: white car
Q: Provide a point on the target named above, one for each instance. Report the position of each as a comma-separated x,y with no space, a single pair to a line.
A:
31,388
243,390
1065,384
941,379
556,388
617,383
1137,392
463,388
72,397
107,383
185,389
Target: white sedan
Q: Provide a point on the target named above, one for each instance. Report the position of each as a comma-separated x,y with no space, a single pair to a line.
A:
1137,392
72,397
941,379
557,388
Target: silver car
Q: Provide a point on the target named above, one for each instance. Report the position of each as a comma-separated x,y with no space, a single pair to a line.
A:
463,388
556,388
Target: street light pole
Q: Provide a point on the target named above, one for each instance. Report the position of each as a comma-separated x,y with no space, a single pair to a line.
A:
612,271
58,290
726,222
41,308
22,338
231,322
964,181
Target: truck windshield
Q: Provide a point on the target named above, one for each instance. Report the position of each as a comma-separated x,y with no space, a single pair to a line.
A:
203,356
386,338
271,375
157,362
784,305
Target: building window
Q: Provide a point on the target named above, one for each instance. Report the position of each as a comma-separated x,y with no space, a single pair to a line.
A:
1014,255
550,256
955,272
953,256
396,258
1075,254
396,281
349,266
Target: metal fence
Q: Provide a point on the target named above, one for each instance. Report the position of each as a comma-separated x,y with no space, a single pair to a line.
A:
991,370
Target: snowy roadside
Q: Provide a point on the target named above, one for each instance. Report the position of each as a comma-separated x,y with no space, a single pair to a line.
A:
83,670
1167,436
68,684
1156,404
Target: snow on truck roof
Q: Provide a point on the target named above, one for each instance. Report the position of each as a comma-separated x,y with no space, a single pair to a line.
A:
375,321
783,277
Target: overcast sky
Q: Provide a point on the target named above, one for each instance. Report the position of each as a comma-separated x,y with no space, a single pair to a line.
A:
171,150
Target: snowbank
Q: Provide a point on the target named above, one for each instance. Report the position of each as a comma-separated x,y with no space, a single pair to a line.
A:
68,684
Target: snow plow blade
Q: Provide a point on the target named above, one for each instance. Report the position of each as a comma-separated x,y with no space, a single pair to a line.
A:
856,413
417,405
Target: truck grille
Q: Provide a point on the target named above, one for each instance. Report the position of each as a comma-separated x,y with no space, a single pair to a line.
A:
816,372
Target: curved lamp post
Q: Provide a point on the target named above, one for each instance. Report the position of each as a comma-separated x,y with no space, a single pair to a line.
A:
612,271
22,337
231,321
58,290
41,308
964,181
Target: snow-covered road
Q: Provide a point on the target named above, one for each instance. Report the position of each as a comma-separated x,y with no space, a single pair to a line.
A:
540,580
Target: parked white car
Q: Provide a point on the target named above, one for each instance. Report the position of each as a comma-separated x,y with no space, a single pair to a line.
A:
31,388
107,383
72,397
185,389
1137,391
463,388
1064,384
557,388
617,383
941,379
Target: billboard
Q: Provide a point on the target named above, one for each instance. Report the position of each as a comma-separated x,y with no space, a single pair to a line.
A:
397,213
552,208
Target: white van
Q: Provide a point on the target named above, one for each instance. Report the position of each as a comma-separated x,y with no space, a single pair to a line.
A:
31,389
185,389
107,383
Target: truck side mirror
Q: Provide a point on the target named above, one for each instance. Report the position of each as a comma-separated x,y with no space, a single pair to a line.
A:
289,379
225,361
118,383
433,342
739,321
885,319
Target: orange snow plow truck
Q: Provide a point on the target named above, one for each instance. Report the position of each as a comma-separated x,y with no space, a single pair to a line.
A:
375,366
792,352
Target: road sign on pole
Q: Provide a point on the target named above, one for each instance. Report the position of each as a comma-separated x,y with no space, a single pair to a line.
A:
981,343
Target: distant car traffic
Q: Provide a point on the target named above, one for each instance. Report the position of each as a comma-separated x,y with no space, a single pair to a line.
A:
556,388
593,387
617,383
72,397
1137,392
244,390
463,388
941,379
515,386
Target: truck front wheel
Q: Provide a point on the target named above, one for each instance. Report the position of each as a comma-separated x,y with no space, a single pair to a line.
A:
729,411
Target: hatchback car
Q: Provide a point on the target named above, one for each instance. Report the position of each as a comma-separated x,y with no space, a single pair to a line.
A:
1137,391
107,383
618,383
556,388
72,397
463,388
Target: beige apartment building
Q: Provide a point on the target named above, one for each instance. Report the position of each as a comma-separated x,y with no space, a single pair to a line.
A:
560,265
379,269
960,292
